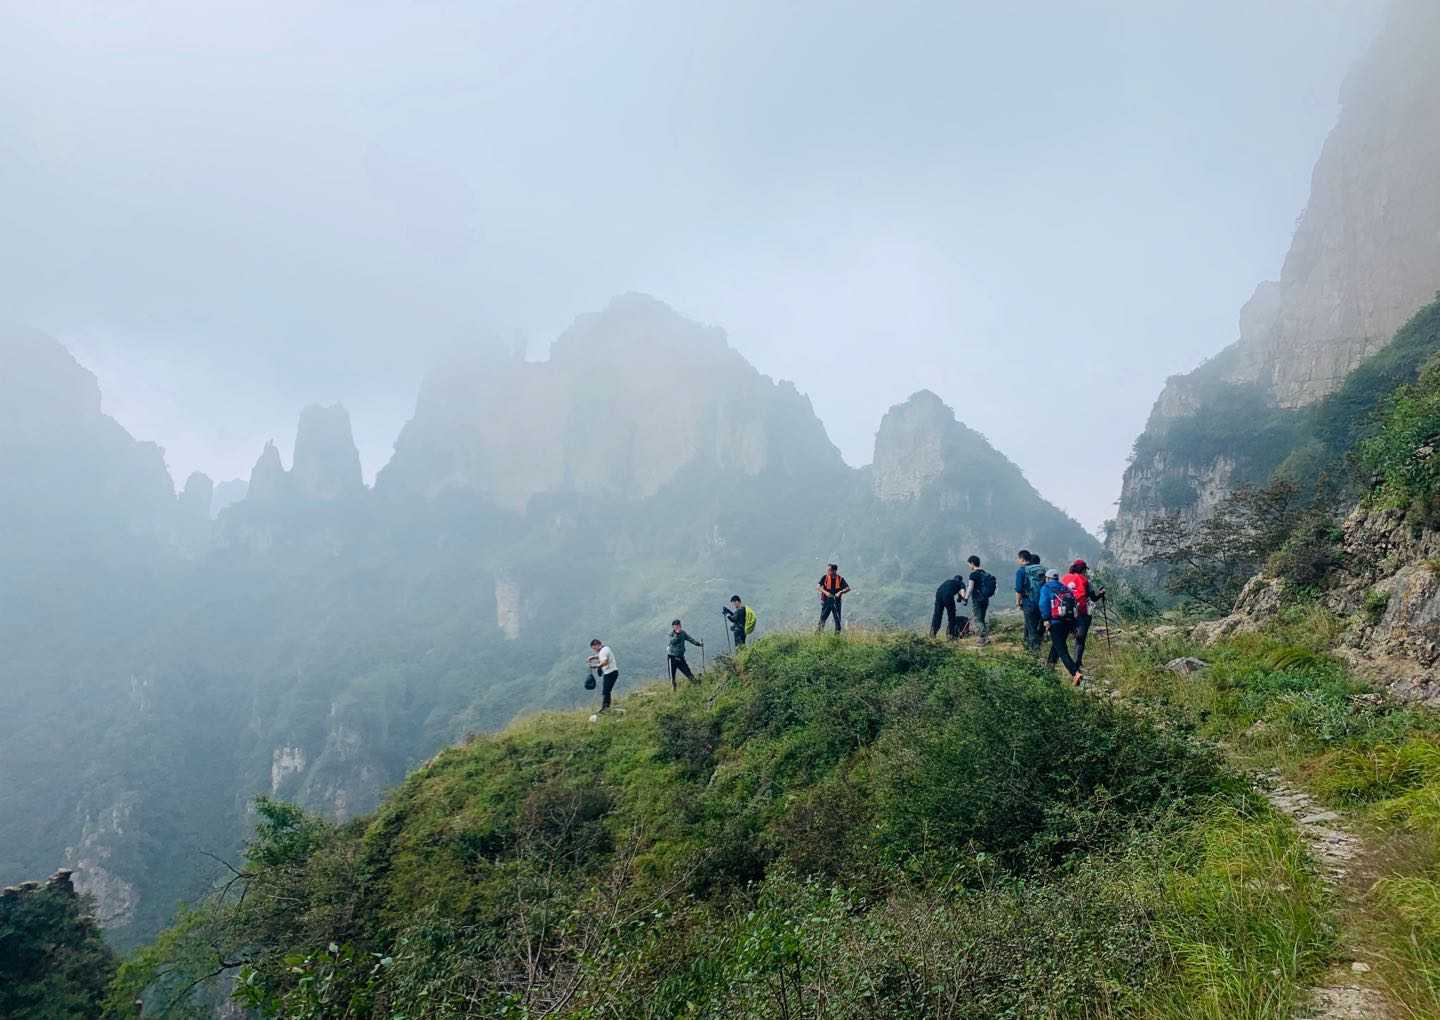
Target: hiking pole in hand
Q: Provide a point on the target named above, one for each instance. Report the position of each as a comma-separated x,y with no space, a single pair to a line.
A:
1105,608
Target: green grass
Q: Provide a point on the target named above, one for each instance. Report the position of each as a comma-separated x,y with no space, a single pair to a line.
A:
826,827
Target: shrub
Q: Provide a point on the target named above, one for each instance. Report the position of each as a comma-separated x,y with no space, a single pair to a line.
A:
1402,452
1376,602
1310,554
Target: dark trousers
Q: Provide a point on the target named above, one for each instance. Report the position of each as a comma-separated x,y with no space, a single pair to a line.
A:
942,608
980,609
679,665
1082,630
1034,626
738,633
1059,650
828,605
607,684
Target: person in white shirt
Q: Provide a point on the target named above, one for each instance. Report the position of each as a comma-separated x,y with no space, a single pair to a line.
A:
602,661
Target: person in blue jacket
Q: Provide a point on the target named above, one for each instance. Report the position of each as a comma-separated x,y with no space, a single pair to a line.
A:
1029,579
1052,609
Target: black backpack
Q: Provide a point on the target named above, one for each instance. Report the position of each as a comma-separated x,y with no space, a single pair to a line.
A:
988,584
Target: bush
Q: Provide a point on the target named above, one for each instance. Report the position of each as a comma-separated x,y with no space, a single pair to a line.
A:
1311,553
1376,602
1402,453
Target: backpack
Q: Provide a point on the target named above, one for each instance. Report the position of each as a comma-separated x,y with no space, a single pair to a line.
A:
750,621
1063,606
988,584
1034,581
1079,586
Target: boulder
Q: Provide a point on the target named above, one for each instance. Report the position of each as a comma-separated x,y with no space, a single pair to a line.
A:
1186,665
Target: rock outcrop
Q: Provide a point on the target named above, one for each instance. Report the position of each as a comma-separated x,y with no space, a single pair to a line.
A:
1365,257
913,447
1388,593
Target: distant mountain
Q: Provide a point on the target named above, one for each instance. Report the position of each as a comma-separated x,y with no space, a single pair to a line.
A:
629,398
1365,258
317,639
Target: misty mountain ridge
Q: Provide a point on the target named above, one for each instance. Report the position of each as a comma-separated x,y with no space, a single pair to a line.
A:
318,638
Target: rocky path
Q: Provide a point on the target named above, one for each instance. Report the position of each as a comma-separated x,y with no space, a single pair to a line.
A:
1346,995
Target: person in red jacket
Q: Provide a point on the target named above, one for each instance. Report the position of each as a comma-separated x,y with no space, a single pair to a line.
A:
1086,595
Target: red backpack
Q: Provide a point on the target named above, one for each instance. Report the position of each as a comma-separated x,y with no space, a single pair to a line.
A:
1079,586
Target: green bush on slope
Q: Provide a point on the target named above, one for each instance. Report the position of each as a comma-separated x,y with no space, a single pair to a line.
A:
828,826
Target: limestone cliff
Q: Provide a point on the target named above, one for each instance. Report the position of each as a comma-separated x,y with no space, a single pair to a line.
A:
1365,257
629,397
942,493
327,464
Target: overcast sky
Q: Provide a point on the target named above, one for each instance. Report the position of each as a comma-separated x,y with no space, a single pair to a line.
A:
229,210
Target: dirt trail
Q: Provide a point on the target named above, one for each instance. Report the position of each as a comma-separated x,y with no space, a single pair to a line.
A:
1346,993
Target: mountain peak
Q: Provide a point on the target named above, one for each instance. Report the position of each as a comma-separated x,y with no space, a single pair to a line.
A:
267,478
914,446
327,463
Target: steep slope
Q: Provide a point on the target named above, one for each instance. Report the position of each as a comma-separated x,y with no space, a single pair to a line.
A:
1365,257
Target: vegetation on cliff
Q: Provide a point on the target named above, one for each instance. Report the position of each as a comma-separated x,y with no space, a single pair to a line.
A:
53,963
1306,468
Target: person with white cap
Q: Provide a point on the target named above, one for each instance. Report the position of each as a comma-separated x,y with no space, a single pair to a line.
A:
1057,607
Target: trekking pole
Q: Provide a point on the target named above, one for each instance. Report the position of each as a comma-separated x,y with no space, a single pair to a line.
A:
702,658
1105,608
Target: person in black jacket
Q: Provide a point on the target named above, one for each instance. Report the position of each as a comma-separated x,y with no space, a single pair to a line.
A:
979,598
949,593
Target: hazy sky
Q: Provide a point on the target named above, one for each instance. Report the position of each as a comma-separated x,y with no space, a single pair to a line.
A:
229,210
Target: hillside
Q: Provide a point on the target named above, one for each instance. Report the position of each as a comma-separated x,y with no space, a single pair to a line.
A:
319,638
1363,259
882,825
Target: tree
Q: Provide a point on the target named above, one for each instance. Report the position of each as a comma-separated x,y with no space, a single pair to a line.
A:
1208,562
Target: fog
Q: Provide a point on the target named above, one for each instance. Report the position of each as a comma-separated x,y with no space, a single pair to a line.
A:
230,211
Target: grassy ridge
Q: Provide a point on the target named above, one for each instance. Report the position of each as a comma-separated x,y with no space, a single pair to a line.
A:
828,827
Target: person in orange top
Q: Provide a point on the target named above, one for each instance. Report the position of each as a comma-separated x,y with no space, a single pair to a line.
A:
1086,595
832,587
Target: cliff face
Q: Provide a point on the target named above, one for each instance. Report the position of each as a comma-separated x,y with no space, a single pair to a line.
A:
942,493
629,397
69,472
1365,257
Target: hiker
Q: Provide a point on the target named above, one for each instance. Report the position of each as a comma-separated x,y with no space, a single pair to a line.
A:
742,620
949,592
832,588
981,591
676,652
1086,595
602,661
1057,605
1029,579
